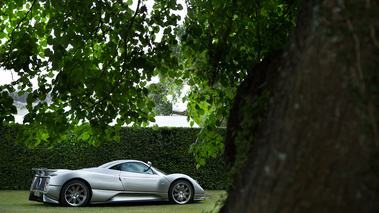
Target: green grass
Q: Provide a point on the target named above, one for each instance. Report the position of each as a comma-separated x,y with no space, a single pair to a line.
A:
18,201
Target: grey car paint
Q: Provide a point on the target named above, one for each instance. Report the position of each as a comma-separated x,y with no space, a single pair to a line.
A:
109,185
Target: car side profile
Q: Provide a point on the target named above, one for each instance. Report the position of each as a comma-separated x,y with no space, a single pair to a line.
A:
116,181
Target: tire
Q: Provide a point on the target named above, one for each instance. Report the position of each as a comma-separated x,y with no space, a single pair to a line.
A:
75,193
181,192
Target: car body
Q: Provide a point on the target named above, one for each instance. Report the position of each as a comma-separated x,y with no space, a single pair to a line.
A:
116,181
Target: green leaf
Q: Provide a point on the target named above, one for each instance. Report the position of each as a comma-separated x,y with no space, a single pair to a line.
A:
172,74
20,93
141,104
178,82
162,80
191,82
167,31
63,137
85,136
120,122
145,124
180,7
44,136
96,143
143,83
155,127
50,74
9,30
3,35
117,127
202,161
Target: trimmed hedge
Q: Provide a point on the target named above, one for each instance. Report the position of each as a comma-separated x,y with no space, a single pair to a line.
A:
166,148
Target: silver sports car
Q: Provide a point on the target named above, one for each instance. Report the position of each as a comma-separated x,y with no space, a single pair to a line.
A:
116,181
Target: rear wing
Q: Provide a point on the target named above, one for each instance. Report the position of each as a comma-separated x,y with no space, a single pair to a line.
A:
44,171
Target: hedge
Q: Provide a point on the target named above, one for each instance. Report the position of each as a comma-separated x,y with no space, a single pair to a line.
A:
166,148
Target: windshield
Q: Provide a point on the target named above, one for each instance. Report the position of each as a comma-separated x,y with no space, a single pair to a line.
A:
106,165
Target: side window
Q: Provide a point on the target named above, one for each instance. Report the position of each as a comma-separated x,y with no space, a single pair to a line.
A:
117,167
136,167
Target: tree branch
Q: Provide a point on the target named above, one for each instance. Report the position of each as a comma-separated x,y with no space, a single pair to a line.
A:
224,40
124,65
18,25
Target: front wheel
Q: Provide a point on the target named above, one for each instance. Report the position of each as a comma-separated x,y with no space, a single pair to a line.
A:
75,194
181,192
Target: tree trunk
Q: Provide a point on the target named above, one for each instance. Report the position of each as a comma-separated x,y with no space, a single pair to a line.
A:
317,148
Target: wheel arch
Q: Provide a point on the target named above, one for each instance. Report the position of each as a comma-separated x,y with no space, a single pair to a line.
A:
182,179
185,179
80,179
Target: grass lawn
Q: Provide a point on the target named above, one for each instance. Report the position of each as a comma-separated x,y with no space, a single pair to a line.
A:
18,201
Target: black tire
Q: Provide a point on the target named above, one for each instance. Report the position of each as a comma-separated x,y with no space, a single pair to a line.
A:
181,192
75,193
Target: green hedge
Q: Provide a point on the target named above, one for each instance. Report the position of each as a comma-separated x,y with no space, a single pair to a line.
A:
166,148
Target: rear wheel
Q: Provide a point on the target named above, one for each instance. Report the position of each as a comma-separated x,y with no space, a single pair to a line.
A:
75,193
181,192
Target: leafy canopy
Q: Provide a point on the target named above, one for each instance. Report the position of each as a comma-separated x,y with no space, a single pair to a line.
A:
100,56
223,41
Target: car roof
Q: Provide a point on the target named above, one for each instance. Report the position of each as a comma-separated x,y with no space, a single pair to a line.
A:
112,163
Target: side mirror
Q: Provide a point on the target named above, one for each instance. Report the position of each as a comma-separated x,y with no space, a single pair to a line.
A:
149,163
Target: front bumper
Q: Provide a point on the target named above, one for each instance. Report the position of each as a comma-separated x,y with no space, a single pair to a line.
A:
199,199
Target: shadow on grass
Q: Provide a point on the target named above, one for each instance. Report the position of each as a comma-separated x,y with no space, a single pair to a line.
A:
134,203
139,203
115,204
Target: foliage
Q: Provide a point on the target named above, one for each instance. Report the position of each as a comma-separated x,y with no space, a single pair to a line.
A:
169,88
166,148
165,94
100,56
222,42
158,95
94,58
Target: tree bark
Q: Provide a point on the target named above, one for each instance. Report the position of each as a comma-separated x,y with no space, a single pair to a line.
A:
317,149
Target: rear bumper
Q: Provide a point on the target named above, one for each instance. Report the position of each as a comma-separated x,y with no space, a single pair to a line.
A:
34,197
37,195
42,191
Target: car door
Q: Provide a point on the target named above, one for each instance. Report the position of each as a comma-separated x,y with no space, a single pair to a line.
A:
104,179
139,177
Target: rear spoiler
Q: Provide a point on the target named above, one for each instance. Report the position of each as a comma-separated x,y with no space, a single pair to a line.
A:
44,171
